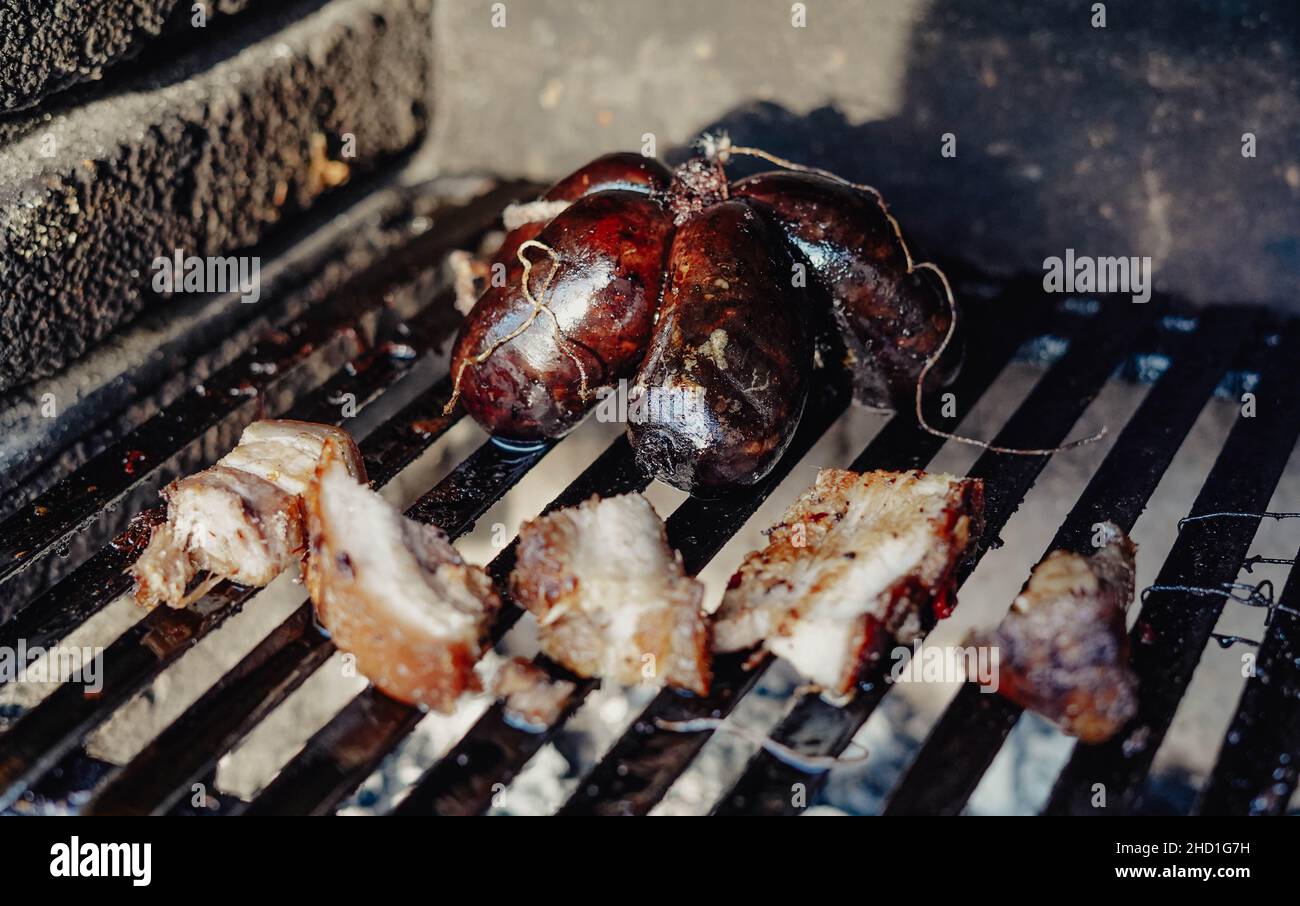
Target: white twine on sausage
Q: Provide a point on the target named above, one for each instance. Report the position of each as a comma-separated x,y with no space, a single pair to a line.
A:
539,304
719,147
523,213
464,271
814,763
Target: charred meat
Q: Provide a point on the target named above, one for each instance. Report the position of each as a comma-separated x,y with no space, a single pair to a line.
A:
394,593
611,597
1063,649
851,565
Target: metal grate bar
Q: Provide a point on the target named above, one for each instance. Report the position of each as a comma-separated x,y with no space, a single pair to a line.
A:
42,736
487,758
266,376
159,776
311,790
1256,770
968,736
188,750
453,505
641,766
1173,627
102,579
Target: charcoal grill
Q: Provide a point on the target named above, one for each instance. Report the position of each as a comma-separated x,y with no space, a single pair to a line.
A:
1202,351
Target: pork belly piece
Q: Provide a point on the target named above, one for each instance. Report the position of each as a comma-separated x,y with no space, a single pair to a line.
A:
394,592
532,698
223,521
286,453
1063,649
611,597
851,565
240,519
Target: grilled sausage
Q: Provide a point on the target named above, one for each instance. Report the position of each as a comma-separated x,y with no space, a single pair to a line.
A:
724,383
623,170
891,320
528,370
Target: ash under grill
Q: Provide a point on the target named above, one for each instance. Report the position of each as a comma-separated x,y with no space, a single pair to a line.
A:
1201,352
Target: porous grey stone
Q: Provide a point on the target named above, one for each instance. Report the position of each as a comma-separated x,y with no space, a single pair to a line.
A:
206,155
48,46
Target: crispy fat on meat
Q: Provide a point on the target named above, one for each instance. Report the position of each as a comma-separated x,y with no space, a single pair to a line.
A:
240,519
609,595
1063,649
850,566
394,592
223,521
286,453
531,697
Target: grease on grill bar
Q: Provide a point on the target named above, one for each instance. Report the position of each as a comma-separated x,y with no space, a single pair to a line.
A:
1256,767
260,382
1044,419
1174,627
972,730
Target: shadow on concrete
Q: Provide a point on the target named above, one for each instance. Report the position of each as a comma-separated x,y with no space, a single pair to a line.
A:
1122,140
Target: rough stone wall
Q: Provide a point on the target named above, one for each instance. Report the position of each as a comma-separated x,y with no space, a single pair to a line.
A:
48,46
206,155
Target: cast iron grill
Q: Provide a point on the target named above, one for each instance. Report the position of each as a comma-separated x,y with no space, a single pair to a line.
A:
324,356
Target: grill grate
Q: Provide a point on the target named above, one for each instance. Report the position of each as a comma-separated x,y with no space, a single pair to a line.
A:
1174,627
1042,421
971,732
47,597
1256,771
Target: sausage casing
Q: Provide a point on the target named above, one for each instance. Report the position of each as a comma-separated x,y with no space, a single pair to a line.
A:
724,383
529,370
623,170
891,320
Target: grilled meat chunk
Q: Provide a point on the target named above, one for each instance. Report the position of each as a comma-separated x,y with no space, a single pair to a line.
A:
240,519
531,697
286,453
229,523
1063,649
850,566
393,592
612,599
